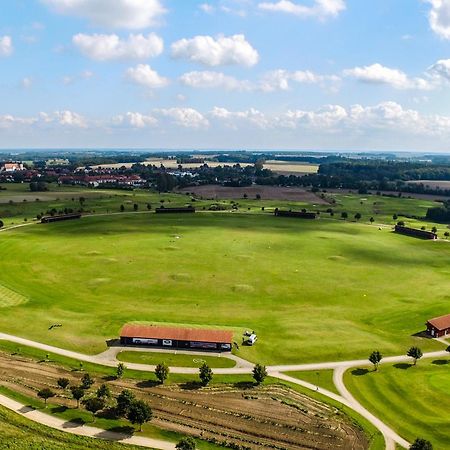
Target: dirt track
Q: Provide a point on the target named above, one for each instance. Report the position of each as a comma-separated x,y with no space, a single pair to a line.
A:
259,418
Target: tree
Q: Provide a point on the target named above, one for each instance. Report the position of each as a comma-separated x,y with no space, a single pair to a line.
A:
434,230
1,224
103,391
371,220
358,216
135,206
259,373
124,401
93,405
375,358
205,374
401,223
448,349
63,383
77,394
122,208
120,370
395,217
415,353
139,412
186,443
446,234
421,444
86,381
162,372
344,215
45,394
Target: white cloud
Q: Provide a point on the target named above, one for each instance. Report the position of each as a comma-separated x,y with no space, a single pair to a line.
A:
211,79
145,76
135,120
128,14
6,46
217,51
63,118
26,82
185,117
378,74
232,119
104,47
280,79
321,9
70,79
206,8
439,17
440,70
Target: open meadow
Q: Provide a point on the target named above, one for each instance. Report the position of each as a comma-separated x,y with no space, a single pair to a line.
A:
414,400
291,281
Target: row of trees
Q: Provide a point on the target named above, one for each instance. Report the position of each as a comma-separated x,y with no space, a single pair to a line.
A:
413,352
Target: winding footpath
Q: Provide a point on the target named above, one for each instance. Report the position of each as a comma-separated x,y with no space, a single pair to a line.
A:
109,358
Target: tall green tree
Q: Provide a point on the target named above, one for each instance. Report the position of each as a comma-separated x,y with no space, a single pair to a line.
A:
45,394
162,372
93,405
259,373
415,353
87,381
186,443
139,413
63,383
77,393
205,374
375,358
120,370
124,401
421,444
103,391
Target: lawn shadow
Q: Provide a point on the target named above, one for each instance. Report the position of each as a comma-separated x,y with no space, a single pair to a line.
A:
74,423
26,409
360,372
109,378
191,385
440,362
244,385
403,366
124,429
58,409
422,334
148,383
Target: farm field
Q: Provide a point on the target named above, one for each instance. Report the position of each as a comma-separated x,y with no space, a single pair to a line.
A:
367,288
172,360
415,401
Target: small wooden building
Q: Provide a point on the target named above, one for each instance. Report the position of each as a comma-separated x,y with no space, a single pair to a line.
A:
172,337
163,210
422,234
439,326
59,218
298,214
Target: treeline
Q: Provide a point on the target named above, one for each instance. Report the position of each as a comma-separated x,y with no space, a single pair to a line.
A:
440,214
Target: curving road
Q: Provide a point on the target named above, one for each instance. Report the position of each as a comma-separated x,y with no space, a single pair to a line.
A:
109,358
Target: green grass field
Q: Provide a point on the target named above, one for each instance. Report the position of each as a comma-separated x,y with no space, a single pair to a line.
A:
415,401
171,360
18,433
296,283
320,378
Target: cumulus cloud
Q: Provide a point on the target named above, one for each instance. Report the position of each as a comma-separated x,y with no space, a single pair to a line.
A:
233,119
440,70
104,47
63,118
321,9
439,17
145,76
378,74
6,46
128,14
280,79
185,117
26,82
219,51
211,79
135,120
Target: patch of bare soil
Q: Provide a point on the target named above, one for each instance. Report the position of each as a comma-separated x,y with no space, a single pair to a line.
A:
217,192
271,417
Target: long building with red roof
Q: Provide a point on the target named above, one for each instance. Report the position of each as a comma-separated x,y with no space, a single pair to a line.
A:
439,326
176,337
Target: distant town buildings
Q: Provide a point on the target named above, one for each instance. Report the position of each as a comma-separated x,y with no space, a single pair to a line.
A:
10,167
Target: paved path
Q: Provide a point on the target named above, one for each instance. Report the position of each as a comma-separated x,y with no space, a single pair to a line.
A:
81,430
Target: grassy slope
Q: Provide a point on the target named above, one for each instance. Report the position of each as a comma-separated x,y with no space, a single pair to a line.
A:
415,401
364,287
175,360
18,433
321,378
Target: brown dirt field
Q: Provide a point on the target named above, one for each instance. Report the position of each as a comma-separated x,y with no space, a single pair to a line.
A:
255,417
217,192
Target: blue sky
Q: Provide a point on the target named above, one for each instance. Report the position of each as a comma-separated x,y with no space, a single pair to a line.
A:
268,74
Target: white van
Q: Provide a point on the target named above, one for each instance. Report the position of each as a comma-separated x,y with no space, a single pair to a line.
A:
252,339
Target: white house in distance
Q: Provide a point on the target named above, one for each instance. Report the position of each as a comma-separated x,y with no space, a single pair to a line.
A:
10,167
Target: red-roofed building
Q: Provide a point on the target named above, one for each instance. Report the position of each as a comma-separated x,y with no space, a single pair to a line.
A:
439,326
174,337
